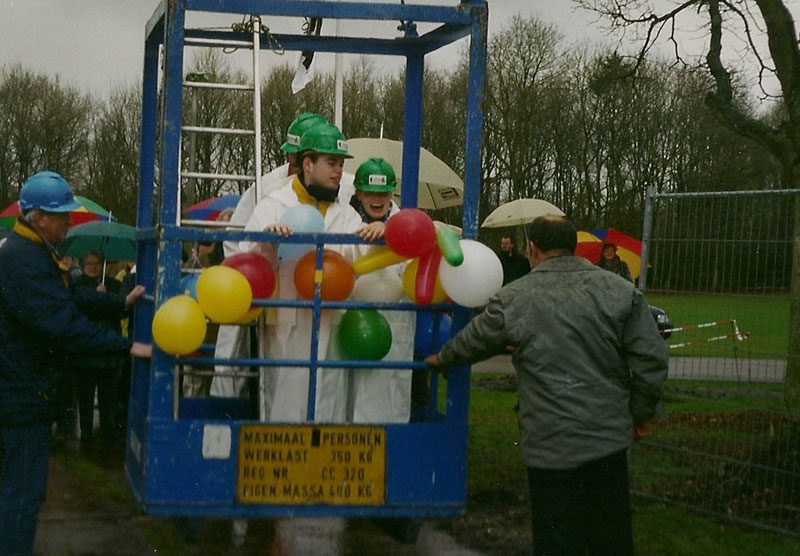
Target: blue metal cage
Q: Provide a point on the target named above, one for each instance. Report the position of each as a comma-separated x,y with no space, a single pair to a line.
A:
188,460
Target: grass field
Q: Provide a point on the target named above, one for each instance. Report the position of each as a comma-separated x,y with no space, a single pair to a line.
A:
497,476
764,317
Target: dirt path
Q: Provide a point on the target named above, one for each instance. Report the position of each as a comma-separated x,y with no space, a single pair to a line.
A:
79,519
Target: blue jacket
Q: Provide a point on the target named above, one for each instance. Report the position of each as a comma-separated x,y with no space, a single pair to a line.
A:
41,327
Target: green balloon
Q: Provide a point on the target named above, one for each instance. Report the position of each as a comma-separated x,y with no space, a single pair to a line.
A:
364,334
450,246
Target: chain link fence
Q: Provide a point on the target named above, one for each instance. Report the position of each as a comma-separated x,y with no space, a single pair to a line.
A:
720,266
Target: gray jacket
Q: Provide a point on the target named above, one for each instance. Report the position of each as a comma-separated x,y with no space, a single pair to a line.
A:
589,359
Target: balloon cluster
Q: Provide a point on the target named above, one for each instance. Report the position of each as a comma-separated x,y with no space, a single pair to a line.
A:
223,293
443,266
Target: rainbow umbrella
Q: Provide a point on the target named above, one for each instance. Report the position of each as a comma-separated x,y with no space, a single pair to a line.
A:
88,212
629,249
210,208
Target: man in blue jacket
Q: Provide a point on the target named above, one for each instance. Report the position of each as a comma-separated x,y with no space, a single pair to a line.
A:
41,326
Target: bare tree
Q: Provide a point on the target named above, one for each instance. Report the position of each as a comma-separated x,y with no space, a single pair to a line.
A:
362,116
113,168
781,58
279,107
44,126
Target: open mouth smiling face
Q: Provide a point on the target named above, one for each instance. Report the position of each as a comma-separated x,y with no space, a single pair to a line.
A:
375,204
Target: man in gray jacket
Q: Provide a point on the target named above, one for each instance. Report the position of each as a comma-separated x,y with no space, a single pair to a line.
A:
590,368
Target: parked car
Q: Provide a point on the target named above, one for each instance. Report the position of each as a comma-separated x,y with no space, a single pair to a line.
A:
662,320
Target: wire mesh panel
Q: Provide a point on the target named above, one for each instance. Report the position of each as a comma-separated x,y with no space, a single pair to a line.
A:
720,265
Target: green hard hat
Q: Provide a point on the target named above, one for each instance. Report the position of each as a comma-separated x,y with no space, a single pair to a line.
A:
375,174
298,127
324,138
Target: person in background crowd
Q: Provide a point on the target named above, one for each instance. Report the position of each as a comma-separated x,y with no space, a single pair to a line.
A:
75,269
590,372
42,326
98,372
514,264
610,261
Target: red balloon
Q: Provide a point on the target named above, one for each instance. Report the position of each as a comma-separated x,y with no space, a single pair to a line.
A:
427,271
410,233
257,270
338,276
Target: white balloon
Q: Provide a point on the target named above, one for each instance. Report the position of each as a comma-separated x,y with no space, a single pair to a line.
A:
382,286
477,279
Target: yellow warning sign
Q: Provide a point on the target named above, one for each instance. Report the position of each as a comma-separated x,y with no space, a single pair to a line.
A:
311,464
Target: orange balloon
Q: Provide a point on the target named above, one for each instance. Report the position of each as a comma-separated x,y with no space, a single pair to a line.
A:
338,276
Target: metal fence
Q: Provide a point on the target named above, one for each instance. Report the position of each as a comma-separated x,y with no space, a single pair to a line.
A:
720,265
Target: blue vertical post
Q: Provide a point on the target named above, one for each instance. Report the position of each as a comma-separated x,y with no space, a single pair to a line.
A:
169,257
412,129
476,81
147,146
316,318
457,406
172,111
145,254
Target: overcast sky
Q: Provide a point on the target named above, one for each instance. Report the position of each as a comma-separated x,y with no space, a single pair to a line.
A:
96,44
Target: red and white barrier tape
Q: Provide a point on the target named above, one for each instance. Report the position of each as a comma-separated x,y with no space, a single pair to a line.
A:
736,334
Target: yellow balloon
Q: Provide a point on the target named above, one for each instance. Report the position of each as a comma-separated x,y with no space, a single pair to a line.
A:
376,259
179,326
224,294
410,281
250,316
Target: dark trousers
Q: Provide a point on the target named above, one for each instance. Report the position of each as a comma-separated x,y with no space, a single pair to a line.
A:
582,511
24,455
104,380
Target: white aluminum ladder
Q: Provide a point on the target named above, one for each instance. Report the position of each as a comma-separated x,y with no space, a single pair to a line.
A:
255,45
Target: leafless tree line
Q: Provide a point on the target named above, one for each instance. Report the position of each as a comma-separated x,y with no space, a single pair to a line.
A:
572,126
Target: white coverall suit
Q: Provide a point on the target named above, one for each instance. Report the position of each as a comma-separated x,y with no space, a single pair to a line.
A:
384,395
234,341
290,337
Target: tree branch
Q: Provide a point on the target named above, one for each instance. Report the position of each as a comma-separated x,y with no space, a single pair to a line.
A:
721,100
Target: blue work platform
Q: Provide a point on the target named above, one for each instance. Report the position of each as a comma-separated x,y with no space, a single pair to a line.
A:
212,456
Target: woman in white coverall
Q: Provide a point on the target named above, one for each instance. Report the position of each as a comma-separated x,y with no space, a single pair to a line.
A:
323,149
381,395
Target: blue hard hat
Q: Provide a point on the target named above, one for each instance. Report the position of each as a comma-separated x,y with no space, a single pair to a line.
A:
47,191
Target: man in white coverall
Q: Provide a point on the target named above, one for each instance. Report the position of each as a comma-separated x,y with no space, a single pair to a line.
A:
323,149
233,341
381,395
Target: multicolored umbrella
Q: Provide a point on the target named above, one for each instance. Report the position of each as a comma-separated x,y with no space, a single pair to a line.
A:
89,212
210,208
629,249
